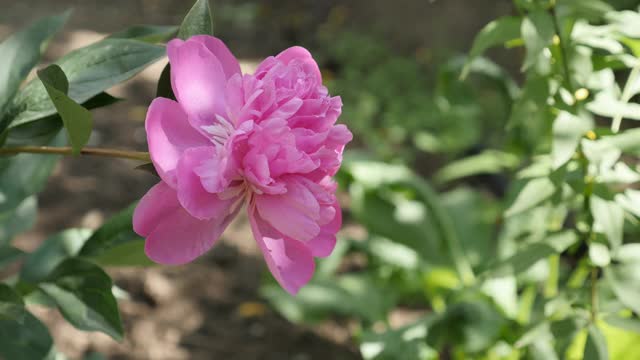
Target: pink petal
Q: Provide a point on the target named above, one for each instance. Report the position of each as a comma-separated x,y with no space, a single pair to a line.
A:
303,55
294,213
154,206
290,262
169,134
174,236
193,197
323,244
229,62
198,79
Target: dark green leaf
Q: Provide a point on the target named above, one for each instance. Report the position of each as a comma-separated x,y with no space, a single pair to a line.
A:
147,33
16,220
164,88
20,177
8,255
39,264
77,120
494,33
82,292
22,335
596,347
116,244
21,52
198,21
90,71
472,325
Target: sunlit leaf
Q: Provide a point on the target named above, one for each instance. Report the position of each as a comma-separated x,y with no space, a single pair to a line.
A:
82,292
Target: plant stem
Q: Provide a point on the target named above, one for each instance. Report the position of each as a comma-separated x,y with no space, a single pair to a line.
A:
563,50
67,150
594,294
626,96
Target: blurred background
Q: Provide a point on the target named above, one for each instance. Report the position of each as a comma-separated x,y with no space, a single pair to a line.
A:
396,65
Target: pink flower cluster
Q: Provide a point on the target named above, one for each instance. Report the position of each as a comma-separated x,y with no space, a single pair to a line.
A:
268,140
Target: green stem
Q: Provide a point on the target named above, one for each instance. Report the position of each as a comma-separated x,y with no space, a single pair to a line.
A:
594,294
563,50
626,96
67,150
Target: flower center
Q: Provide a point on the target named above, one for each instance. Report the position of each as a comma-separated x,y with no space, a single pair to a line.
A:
220,131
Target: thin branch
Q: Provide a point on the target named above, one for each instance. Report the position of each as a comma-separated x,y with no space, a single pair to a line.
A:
67,150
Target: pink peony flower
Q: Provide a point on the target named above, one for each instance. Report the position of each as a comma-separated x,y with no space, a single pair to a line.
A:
268,140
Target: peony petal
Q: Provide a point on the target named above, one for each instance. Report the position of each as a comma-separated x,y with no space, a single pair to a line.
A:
290,261
169,134
303,55
323,244
294,213
154,206
198,80
229,62
193,197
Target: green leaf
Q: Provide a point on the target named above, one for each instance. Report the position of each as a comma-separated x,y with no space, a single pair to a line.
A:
198,21
488,162
21,52
626,323
21,176
605,104
532,194
90,71
82,292
59,247
16,220
537,31
472,325
22,335
625,283
116,244
530,254
608,219
599,254
596,347
494,33
350,295
9,255
147,33
407,342
77,120
568,129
